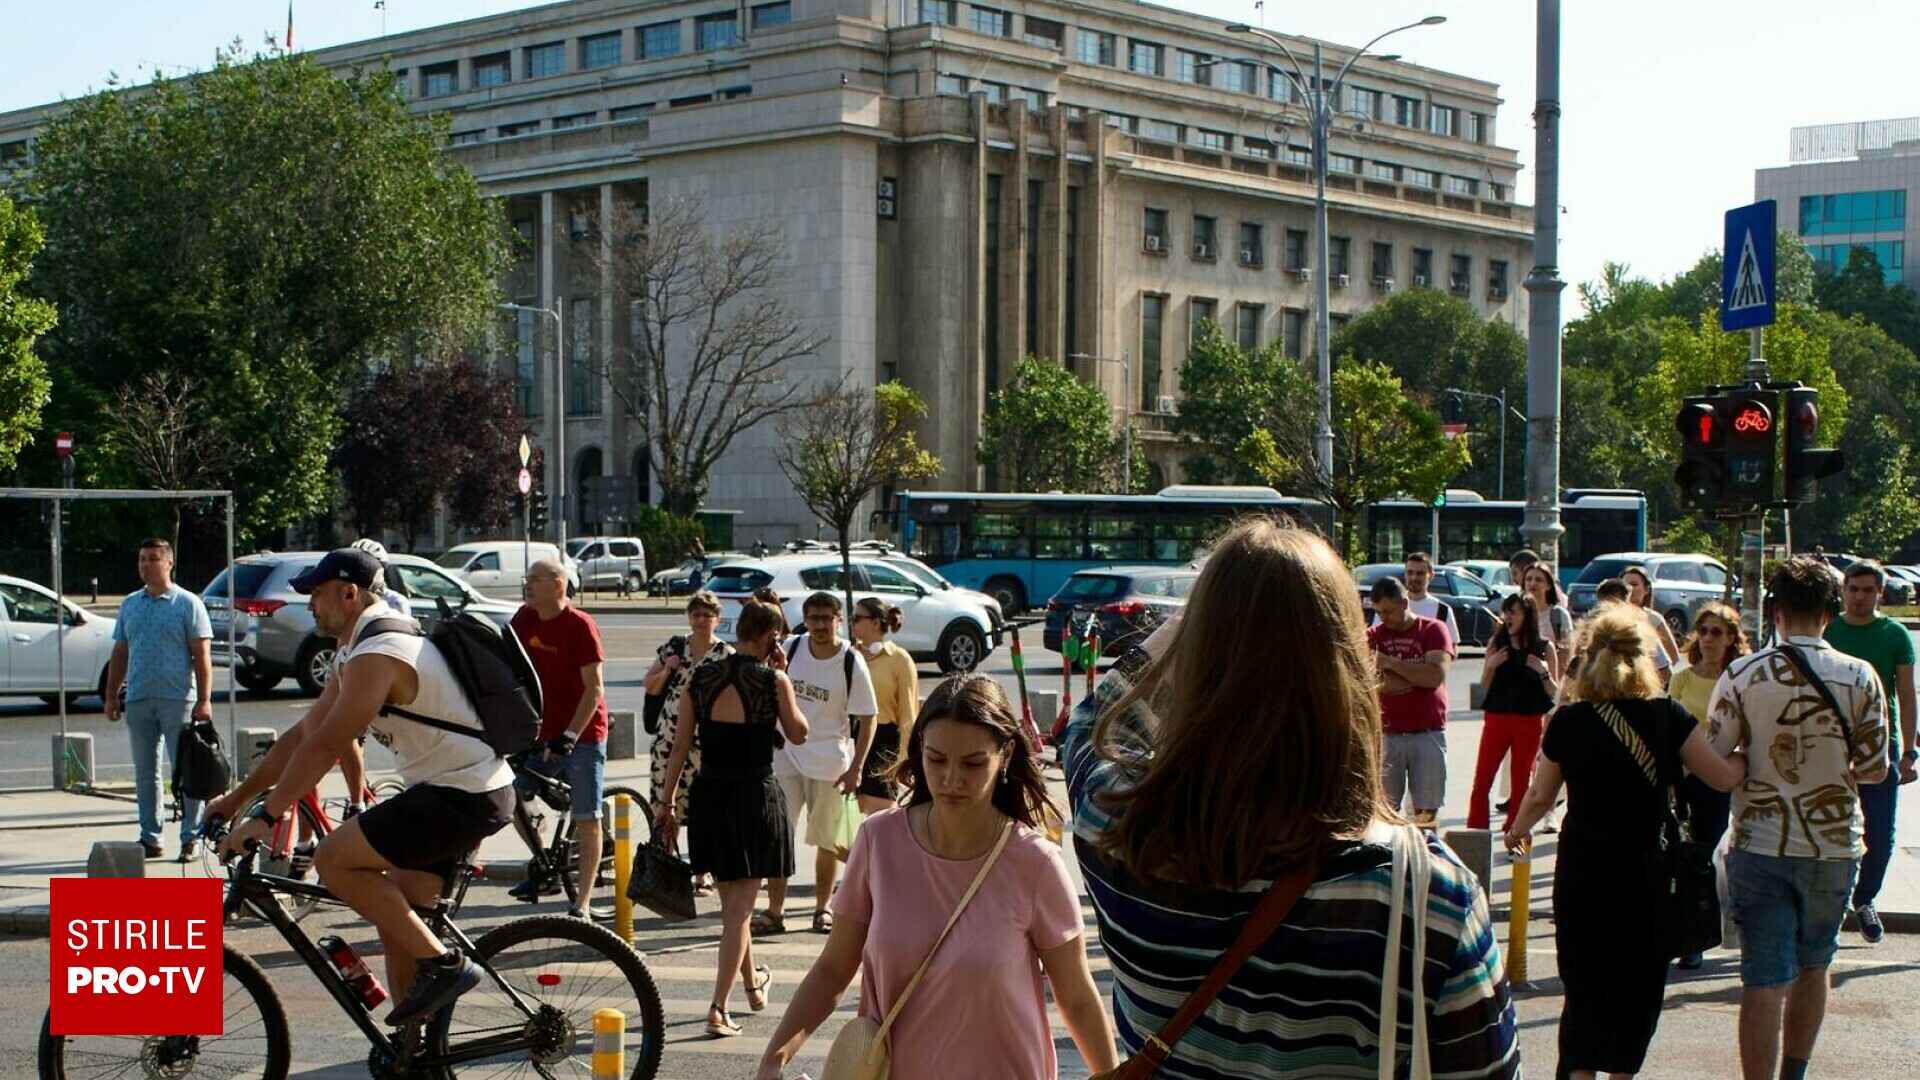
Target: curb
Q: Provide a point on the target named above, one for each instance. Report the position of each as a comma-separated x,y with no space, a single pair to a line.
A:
29,920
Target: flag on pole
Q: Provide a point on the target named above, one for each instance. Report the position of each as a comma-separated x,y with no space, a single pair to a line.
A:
289,24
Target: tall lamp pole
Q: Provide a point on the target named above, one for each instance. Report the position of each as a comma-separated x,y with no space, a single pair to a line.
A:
1322,101
1542,529
1126,414
1501,397
559,411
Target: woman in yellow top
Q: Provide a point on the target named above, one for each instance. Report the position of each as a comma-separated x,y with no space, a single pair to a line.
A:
1717,640
896,692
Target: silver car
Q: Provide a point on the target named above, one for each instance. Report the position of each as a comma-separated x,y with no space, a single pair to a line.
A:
273,628
610,562
1681,583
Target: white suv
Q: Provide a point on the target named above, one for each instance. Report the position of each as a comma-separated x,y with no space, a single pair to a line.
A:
610,562
948,627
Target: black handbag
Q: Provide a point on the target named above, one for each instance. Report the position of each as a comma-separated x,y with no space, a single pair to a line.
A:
1686,899
200,766
651,705
661,882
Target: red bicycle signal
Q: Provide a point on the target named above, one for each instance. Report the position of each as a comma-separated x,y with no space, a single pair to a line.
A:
1752,420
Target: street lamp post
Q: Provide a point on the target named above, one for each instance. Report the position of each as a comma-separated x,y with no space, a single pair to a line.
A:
1501,397
1322,100
1126,415
559,410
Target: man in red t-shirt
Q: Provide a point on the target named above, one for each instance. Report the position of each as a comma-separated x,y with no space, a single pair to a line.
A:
564,644
1411,653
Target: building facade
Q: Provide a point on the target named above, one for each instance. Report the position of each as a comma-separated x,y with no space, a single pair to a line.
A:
1847,186
958,185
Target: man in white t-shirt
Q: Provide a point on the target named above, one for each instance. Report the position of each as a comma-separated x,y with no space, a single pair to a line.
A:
1419,569
831,682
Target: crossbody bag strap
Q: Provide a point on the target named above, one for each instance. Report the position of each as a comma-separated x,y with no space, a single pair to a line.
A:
880,1041
1800,661
1266,918
1637,747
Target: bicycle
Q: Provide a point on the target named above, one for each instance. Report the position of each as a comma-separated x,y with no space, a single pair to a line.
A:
544,978
310,818
558,860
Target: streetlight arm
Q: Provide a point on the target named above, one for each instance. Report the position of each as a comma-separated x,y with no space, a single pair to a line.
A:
1298,75
1362,51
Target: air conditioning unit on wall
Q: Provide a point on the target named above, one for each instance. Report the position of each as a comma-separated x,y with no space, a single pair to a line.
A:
1153,242
1202,251
1304,273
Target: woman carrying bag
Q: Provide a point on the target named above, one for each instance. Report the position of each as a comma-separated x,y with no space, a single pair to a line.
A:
952,909
1522,677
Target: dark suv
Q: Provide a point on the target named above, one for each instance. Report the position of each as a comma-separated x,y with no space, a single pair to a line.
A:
1129,602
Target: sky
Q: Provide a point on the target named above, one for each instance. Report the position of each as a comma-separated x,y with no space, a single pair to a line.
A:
1667,105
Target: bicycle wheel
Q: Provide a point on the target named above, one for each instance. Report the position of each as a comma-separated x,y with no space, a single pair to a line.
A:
256,1043
568,853
565,970
277,855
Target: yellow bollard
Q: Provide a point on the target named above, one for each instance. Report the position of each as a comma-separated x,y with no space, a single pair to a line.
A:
622,866
1517,916
609,1047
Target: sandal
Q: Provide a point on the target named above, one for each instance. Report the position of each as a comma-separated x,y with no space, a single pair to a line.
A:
703,886
723,1028
757,991
767,922
823,921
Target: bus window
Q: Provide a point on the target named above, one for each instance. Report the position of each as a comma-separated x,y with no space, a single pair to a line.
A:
1058,537
1118,538
1000,536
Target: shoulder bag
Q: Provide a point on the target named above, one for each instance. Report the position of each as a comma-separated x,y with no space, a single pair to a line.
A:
860,1052
1686,901
651,704
201,769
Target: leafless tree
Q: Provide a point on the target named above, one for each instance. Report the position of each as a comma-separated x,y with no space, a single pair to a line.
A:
162,435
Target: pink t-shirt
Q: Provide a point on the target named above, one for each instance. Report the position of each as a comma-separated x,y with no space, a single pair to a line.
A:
981,1009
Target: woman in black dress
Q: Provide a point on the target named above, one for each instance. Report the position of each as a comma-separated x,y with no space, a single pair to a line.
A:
1618,747
739,817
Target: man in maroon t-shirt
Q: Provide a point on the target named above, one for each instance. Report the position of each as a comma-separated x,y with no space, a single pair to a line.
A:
1411,653
564,644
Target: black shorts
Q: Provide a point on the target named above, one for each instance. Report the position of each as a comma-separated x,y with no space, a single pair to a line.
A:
876,777
428,827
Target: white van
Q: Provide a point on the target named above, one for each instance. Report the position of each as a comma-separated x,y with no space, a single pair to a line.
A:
496,567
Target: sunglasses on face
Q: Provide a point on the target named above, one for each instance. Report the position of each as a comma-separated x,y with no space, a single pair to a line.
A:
1711,630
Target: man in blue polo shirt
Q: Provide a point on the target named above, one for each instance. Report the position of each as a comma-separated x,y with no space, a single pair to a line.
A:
160,654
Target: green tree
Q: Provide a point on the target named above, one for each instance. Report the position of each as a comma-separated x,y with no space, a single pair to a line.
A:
1051,430
849,443
24,382
1860,288
266,228
1227,395
1695,294
1887,511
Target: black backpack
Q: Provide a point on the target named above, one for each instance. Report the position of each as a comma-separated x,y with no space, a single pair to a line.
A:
793,649
201,769
493,671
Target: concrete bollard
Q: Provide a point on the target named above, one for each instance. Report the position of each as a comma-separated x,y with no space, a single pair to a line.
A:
1475,849
1046,707
72,761
623,734
250,745
117,859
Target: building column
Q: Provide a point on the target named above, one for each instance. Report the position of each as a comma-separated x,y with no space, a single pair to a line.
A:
1053,263
1014,243
975,351
1096,306
613,407
548,257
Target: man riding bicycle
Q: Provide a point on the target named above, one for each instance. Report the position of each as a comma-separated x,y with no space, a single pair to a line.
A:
396,855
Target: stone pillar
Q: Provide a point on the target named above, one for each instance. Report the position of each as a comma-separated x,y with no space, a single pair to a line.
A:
613,407
556,411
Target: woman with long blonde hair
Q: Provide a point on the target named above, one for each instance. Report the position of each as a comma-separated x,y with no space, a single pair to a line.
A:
1242,745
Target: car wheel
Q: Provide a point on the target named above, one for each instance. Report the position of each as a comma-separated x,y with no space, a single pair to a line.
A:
258,682
962,648
636,583
314,664
1677,622
1011,595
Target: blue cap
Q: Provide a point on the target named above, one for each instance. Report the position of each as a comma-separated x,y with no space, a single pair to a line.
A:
351,565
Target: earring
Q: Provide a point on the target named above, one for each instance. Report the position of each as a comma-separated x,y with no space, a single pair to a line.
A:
1003,776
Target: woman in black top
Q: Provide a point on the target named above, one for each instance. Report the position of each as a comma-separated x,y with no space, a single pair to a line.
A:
739,828
1522,677
1618,747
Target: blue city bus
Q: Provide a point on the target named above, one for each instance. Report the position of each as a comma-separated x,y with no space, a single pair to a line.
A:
1021,547
1598,521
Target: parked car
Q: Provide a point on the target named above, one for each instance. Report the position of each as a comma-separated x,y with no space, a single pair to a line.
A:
928,576
1896,590
678,580
610,562
495,567
1128,602
34,620
943,626
1497,575
1682,582
1910,575
273,631
1476,607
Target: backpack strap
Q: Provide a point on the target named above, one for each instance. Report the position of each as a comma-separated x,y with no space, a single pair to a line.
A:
378,627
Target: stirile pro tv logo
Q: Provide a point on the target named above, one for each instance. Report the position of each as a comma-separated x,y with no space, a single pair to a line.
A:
135,956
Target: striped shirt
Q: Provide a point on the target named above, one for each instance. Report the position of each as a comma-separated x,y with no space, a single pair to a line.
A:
1306,1005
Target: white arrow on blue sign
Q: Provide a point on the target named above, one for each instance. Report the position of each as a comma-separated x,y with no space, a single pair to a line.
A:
1746,272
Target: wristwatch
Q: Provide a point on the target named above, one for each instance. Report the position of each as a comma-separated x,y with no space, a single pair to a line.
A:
260,811
1912,755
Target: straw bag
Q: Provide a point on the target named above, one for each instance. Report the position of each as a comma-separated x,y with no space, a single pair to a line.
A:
859,1052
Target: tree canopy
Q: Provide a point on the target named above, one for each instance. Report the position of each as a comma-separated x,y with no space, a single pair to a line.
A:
1051,430
24,382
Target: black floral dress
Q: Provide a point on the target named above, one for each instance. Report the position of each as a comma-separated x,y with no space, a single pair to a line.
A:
670,723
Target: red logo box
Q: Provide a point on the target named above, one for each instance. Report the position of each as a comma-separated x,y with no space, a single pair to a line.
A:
135,956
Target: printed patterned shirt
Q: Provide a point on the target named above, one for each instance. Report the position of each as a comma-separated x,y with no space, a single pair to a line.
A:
158,630
1800,800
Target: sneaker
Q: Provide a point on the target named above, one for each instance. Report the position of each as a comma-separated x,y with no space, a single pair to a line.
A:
301,861
1692,962
531,890
436,984
1870,926
152,848
189,849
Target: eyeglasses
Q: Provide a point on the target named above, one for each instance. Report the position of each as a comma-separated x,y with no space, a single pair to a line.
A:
820,620
1710,630
863,615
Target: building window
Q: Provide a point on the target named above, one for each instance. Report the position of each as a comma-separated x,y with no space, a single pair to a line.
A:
1145,58
631,112
1045,33
689,101
951,84
583,383
1478,127
1246,319
1422,266
13,152
1159,130
1035,99
1211,140
1204,310
1382,261
1343,163
1192,68
1259,148
1293,333
467,138
1442,120
937,11
494,70
1279,86
1251,253
731,93
1338,250
1382,170
1203,238
574,120
514,131
1093,47
1853,212
996,92
1152,309
439,80
1496,279
600,50
1153,235
1460,185
1460,274
1891,254
546,60
1406,111
660,39
1238,77
526,377
1425,178
1364,102
1295,253
768,16
991,22
720,30
1301,156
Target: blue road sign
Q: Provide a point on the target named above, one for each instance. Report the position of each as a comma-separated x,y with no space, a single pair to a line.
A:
1746,272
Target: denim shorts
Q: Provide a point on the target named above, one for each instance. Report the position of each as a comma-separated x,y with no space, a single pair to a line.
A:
585,771
1789,912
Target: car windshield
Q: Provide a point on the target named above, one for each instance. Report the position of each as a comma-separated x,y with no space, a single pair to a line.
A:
1601,569
575,547
455,559
1367,575
738,579
247,579
919,573
1091,587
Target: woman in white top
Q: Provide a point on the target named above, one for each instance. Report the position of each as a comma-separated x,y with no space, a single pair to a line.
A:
1640,595
1550,607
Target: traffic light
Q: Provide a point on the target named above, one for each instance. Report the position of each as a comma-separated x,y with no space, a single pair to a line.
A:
537,512
1750,447
1702,474
1805,462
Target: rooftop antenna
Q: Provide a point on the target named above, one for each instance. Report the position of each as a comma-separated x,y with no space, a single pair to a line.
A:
1260,6
381,7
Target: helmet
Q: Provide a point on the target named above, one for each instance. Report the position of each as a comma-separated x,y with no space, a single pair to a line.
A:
372,547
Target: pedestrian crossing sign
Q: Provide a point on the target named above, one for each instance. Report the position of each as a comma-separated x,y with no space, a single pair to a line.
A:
1746,276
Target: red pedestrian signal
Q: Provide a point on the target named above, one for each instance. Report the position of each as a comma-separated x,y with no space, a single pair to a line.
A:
1702,473
1700,424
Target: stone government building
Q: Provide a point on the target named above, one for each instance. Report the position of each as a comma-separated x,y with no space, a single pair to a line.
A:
959,185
